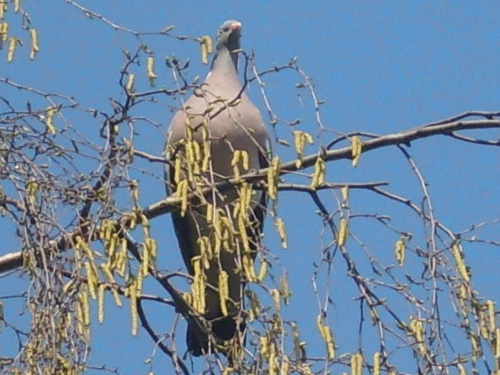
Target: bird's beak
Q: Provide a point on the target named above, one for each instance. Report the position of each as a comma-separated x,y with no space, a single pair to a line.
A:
236,26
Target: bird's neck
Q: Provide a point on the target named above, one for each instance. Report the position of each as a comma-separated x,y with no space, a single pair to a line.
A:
225,61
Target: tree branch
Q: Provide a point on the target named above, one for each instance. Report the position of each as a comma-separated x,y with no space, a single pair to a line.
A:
13,260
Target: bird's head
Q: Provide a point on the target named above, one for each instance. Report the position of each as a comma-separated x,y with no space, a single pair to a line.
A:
229,36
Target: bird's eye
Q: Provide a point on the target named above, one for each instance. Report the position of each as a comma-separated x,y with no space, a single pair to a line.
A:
226,29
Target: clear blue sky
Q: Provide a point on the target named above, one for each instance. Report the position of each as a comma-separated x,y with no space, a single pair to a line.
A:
382,66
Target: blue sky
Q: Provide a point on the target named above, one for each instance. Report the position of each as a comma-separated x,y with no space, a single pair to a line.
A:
381,66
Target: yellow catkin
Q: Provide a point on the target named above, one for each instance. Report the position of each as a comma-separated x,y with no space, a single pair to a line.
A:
100,302
81,244
235,163
305,369
116,297
242,229
4,32
133,222
330,346
280,227
327,336
463,295
218,234
150,67
111,247
34,43
376,363
69,287
3,8
79,318
105,230
12,48
285,289
228,240
300,140
49,120
263,270
84,306
345,194
107,273
357,147
299,146
240,157
130,84
399,250
248,268
145,261
92,279
319,324
418,333
296,343
223,291
206,162
245,161
275,294
121,259
198,286
476,346
483,321
132,291
459,259
204,53
210,212
272,178
318,177
205,47
204,245
182,191
88,251
190,155
285,365
196,159
490,306
145,224
356,364
496,349
177,169
139,282
272,359
153,250
32,190
264,346
343,232
245,197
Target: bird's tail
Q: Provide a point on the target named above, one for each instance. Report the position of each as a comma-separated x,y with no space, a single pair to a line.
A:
223,329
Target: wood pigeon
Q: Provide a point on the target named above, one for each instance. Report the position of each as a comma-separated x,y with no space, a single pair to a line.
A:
222,120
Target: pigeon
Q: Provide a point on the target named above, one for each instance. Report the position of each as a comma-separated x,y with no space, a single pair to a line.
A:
223,122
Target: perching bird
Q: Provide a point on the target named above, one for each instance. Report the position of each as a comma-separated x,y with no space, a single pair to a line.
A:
220,113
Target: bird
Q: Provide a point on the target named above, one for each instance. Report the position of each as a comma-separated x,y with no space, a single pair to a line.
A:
224,123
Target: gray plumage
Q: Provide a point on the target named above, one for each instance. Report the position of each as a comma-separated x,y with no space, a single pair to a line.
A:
222,114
